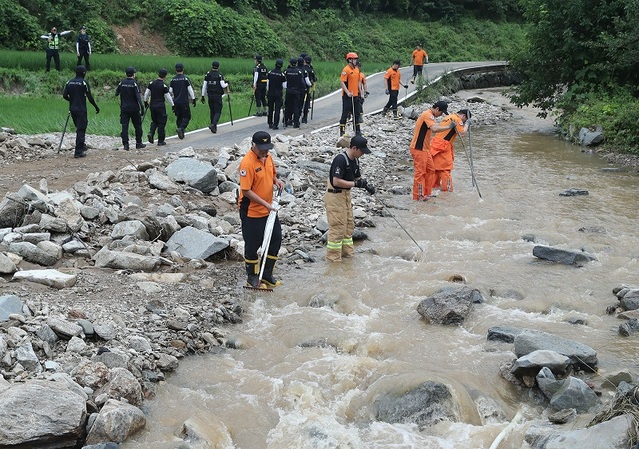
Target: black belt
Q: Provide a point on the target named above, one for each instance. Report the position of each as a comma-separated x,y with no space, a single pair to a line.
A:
334,190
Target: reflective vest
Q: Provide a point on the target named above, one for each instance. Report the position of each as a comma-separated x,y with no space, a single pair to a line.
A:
54,43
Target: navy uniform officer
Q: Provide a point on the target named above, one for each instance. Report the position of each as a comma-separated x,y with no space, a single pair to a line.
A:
296,82
76,92
131,108
53,46
83,47
214,87
275,84
182,92
313,79
158,91
259,86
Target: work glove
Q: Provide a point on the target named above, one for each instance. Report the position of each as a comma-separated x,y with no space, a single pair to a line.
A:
386,91
370,188
365,94
97,110
194,102
361,183
203,100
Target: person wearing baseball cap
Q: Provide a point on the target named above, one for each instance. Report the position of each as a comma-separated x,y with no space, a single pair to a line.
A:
182,91
424,173
343,176
155,96
442,147
131,108
257,178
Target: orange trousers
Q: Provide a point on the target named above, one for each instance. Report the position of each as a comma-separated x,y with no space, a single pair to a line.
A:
424,171
443,158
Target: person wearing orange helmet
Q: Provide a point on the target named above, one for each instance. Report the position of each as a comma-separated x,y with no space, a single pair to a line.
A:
350,83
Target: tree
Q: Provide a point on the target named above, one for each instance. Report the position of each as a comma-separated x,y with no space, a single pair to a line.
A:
573,47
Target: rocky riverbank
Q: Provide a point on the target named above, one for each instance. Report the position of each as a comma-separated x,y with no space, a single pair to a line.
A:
108,283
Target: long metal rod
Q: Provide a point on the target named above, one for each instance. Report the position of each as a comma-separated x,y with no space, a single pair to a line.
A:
470,163
64,131
403,228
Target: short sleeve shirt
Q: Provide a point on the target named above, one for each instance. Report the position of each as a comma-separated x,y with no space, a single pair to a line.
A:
350,77
422,134
257,176
344,168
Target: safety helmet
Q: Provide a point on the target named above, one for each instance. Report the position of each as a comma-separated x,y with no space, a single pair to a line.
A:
352,55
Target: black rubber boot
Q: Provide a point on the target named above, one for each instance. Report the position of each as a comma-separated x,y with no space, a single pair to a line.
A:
342,130
252,273
268,278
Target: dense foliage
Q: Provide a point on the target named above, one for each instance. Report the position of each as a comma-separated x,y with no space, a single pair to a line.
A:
582,61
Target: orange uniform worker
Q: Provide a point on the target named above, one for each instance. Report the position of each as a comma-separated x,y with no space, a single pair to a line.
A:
442,150
417,60
392,80
424,169
350,83
257,178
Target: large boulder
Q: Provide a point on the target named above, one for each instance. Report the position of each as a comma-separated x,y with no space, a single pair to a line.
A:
582,357
41,414
449,306
115,423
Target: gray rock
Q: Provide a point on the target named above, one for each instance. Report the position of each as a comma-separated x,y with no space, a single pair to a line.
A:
45,333
530,364
503,333
33,253
6,264
547,382
41,414
573,192
200,175
132,228
123,385
582,356
9,304
76,345
427,404
193,243
162,182
629,327
562,256
52,278
105,331
590,138
449,306
125,260
53,224
26,356
140,344
115,423
574,393
64,329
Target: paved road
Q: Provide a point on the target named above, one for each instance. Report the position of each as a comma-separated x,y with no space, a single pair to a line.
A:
326,112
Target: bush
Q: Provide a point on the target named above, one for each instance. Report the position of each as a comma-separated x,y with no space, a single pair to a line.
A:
18,29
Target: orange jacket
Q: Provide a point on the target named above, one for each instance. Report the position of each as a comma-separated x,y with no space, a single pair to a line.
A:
419,56
422,135
257,176
350,77
393,79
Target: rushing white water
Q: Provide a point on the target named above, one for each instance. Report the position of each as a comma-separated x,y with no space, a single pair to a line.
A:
306,377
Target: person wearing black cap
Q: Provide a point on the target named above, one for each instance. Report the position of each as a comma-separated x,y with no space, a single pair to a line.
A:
257,178
295,86
275,85
424,173
392,80
131,108
157,92
310,91
343,176
259,86
214,87
442,147
83,47
53,47
76,92
182,92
